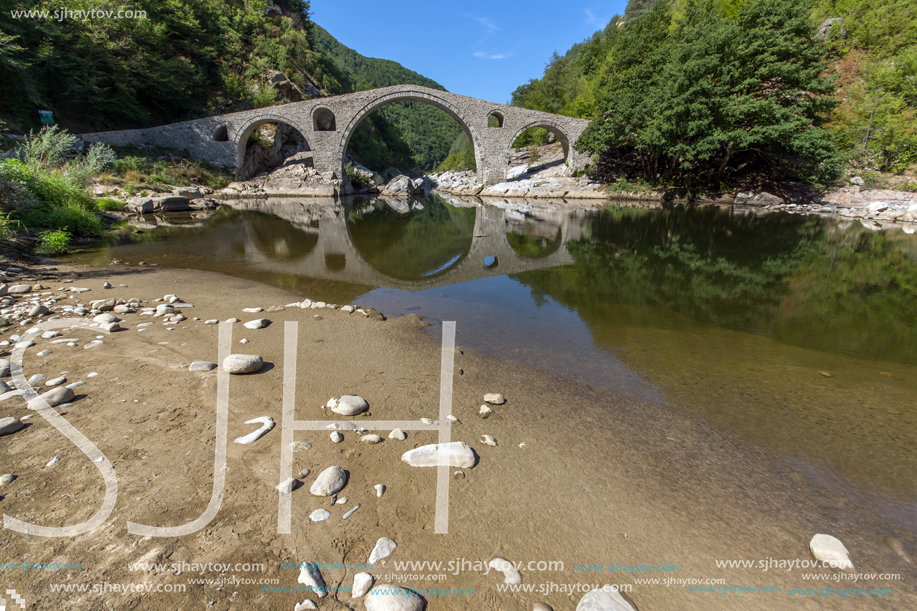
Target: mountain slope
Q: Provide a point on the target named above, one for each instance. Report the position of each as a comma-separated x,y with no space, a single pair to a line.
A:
186,59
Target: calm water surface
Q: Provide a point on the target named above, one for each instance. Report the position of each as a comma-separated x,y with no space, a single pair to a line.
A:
794,335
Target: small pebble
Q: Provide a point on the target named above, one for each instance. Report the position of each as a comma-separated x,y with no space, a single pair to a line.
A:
380,489
319,515
337,437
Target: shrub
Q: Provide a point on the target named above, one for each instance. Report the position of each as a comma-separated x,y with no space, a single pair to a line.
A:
106,203
54,242
47,148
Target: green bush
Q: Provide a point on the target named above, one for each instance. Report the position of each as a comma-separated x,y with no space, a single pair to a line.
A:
6,226
47,148
106,203
358,179
46,198
54,242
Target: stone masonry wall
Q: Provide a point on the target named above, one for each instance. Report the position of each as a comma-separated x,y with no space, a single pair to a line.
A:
207,138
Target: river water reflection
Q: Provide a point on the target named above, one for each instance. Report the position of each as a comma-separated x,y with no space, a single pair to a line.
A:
794,335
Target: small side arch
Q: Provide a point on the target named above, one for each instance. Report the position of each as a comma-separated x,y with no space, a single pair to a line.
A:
495,119
323,119
220,133
552,127
254,123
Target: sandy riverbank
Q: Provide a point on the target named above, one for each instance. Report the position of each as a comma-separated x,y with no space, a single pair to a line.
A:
601,479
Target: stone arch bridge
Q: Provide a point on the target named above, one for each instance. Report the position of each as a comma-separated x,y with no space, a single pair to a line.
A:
328,123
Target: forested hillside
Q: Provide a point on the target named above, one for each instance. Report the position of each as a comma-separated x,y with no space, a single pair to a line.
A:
191,58
713,91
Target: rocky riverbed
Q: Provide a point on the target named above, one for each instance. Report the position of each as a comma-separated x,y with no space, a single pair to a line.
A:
546,470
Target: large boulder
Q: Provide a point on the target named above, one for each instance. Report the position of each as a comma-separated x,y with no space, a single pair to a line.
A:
140,205
758,199
242,363
171,203
189,192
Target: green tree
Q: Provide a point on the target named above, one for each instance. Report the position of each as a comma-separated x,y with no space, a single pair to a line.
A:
688,98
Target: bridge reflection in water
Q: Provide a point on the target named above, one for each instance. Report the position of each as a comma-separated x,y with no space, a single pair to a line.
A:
410,245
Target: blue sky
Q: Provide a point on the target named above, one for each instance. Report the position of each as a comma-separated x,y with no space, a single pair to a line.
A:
475,48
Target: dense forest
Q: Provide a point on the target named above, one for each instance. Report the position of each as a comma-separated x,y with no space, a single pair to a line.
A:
699,93
191,58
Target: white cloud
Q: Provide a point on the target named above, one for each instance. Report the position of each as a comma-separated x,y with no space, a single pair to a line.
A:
485,21
591,17
485,55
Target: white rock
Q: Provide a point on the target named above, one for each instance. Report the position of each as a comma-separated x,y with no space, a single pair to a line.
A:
93,344
50,334
362,582
259,323
286,486
489,440
243,341
350,513
455,454
319,515
53,462
214,321
10,425
383,549
397,434
427,421
494,399
43,353
347,308
38,378
330,481
511,574
337,437
452,418
93,374
371,439
59,395
202,366
305,605
306,304
309,575
56,381
348,405
830,550
485,411
380,489
542,607
242,363
252,310
385,597
266,422
103,318
605,599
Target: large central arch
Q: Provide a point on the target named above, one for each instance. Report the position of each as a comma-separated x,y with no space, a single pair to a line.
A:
410,96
